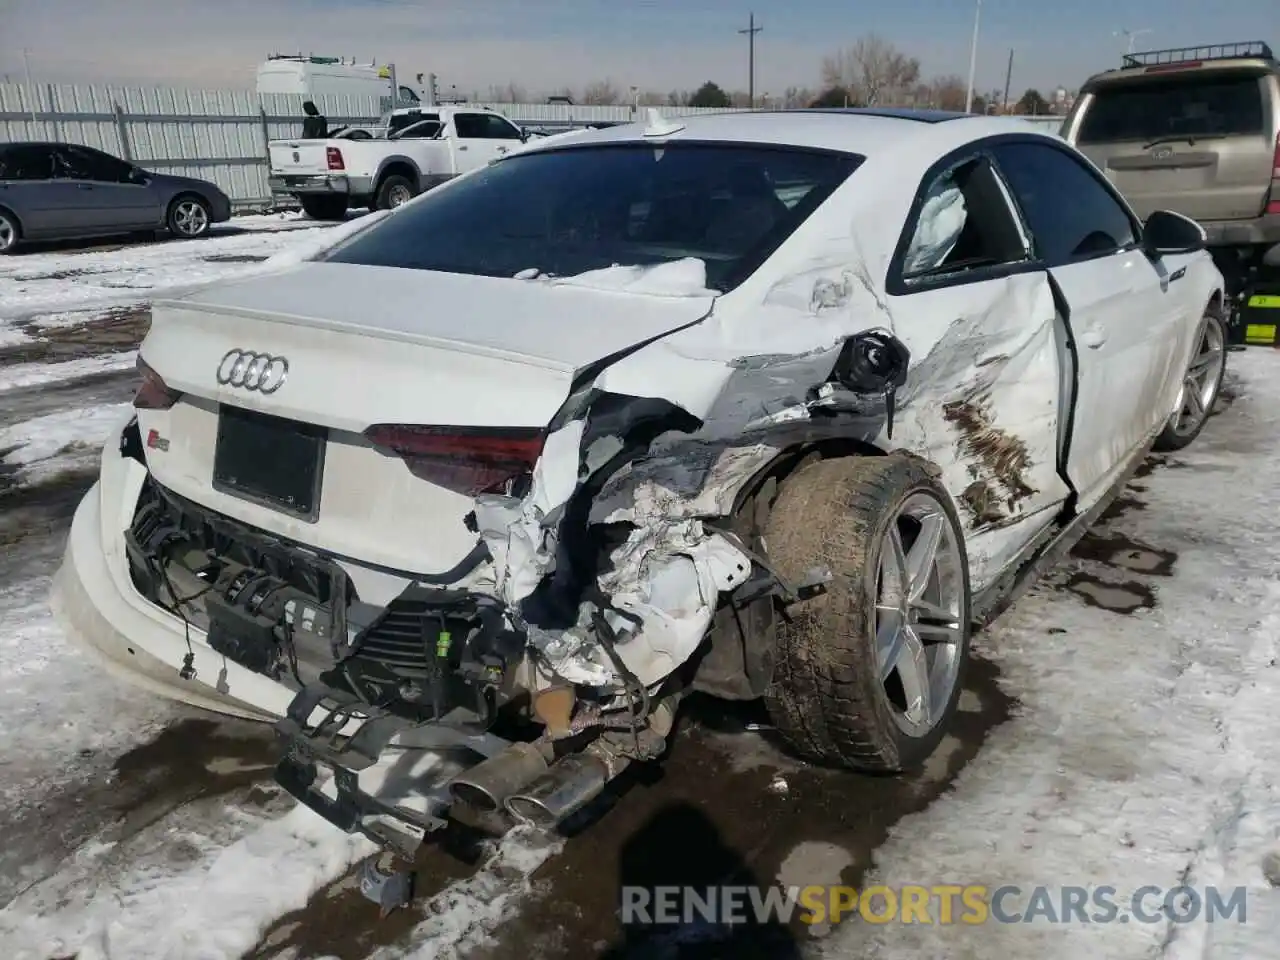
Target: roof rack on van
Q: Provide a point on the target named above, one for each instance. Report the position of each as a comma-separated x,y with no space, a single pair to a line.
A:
1189,55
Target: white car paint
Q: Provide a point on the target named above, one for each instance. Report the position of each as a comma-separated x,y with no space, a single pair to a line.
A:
463,350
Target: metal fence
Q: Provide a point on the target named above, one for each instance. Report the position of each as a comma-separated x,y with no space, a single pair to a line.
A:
221,135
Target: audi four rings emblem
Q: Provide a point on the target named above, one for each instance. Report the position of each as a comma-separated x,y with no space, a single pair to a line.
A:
252,371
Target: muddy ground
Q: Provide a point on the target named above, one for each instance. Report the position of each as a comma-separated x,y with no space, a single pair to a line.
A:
728,806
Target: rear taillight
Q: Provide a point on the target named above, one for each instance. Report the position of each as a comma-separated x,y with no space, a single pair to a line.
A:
466,460
333,156
153,393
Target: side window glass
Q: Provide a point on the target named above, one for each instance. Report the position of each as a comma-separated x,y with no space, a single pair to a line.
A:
78,163
470,126
26,162
399,121
423,130
964,223
501,129
1071,215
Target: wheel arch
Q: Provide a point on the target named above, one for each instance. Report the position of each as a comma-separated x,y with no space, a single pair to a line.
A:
13,215
735,660
397,165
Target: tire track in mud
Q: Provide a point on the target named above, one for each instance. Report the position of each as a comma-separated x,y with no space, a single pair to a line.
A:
113,330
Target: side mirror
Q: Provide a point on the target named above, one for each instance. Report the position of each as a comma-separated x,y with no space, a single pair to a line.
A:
1168,232
139,176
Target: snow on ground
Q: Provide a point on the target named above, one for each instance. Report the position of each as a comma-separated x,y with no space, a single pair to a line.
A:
26,375
1146,749
35,283
36,450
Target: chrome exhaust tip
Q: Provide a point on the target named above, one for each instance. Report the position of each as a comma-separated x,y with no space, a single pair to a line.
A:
486,786
566,787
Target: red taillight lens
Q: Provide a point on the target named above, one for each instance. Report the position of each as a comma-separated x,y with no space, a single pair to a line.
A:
334,158
1275,160
153,393
466,460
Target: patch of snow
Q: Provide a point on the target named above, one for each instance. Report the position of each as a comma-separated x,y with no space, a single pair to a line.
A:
1145,747
464,915
36,374
37,283
202,883
318,243
64,719
679,278
38,449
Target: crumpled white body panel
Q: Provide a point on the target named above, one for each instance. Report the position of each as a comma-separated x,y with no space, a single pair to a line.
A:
982,402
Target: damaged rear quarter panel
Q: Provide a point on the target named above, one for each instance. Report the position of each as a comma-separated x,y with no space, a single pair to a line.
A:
980,402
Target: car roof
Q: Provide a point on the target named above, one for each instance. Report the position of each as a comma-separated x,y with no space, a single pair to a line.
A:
862,131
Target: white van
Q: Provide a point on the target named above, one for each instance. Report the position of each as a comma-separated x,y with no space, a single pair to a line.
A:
320,76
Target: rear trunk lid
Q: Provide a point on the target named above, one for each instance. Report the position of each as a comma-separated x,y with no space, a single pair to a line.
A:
368,346
1199,141
299,157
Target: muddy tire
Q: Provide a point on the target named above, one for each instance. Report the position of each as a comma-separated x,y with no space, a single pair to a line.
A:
1201,383
324,207
394,191
865,519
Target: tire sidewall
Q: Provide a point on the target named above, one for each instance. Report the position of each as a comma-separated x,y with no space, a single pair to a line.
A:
12,221
384,190
172,217
1168,439
912,751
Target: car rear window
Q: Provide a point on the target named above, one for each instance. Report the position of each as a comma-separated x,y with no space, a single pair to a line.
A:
565,212
1193,105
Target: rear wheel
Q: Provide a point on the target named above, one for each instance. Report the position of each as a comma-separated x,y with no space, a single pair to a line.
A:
1200,384
9,232
868,674
394,191
188,218
329,207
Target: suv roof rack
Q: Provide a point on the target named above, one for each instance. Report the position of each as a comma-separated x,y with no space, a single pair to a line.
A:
1214,51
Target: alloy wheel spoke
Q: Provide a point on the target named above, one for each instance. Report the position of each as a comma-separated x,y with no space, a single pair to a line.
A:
923,555
913,671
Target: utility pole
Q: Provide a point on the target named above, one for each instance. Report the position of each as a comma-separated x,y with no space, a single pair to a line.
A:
751,32
1132,35
973,57
1008,76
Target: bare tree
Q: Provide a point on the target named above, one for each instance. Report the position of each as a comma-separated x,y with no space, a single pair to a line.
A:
651,98
797,97
602,92
873,70
948,93
511,92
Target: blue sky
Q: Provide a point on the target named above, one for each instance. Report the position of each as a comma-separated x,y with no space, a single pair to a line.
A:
545,44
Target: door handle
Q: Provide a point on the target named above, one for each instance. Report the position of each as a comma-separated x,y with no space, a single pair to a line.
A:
84,186
462,146
502,149
1094,337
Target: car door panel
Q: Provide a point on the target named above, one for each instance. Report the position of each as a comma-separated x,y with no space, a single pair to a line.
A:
1127,320
30,191
99,192
984,393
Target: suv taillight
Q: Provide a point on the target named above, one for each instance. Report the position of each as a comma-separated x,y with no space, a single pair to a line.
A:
333,156
466,460
153,393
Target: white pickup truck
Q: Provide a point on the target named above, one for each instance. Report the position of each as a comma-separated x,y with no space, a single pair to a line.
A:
422,148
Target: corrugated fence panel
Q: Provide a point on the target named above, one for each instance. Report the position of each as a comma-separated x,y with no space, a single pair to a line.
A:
221,135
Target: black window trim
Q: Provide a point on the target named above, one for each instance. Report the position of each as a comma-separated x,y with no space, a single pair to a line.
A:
1081,161
899,286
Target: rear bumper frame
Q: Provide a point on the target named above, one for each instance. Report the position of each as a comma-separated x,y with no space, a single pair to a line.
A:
320,185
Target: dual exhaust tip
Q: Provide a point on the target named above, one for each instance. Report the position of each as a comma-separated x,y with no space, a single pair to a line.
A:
531,789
